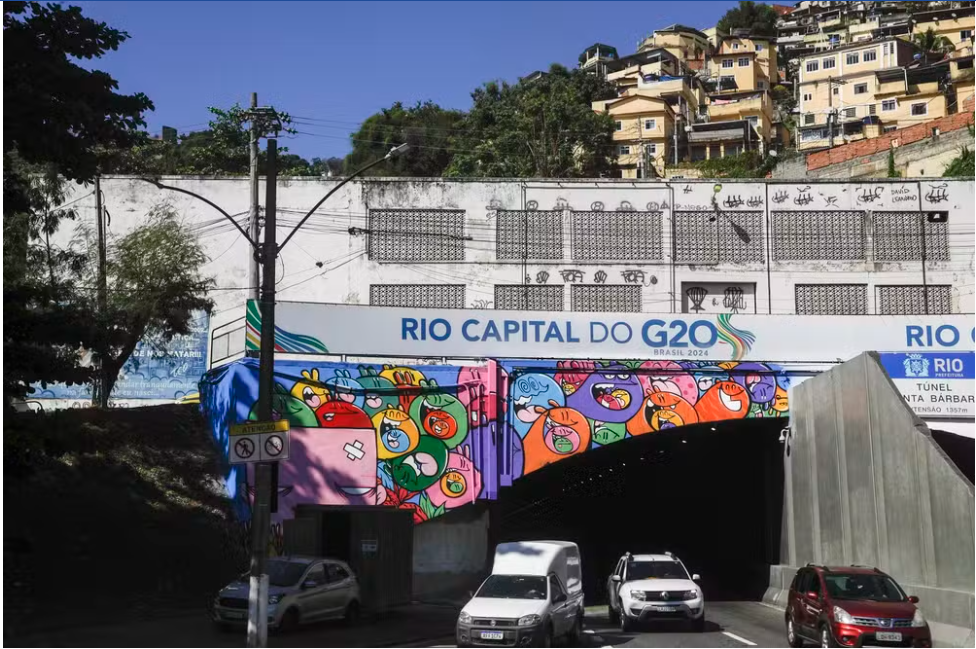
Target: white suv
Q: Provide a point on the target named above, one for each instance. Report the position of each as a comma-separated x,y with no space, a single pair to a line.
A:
647,587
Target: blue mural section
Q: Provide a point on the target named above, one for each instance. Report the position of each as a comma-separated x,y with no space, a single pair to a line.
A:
155,370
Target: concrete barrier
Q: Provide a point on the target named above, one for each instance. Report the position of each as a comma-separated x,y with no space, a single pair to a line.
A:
450,555
866,484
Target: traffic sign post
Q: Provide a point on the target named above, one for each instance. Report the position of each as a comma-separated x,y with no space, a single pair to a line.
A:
259,441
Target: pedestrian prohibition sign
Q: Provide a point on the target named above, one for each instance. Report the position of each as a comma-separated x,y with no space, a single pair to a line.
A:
258,441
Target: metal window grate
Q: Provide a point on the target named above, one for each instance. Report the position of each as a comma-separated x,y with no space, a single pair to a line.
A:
618,236
836,236
910,300
421,296
544,229
898,237
831,299
525,297
600,297
730,237
416,235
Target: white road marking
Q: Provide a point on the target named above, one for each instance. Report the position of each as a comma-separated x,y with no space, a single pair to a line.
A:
588,631
739,638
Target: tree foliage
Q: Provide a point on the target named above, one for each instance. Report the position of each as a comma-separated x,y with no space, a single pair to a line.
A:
962,166
756,17
930,41
155,287
426,127
748,164
56,115
545,127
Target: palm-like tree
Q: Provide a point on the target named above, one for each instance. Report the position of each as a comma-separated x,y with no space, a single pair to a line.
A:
929,41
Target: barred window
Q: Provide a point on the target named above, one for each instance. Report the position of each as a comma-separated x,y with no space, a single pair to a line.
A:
898,237
416,235
910,300
544,230
831,299
707,237
837,236
419,296
527,297
619,236
600,297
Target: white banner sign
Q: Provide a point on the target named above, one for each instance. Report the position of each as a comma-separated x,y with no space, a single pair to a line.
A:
307,328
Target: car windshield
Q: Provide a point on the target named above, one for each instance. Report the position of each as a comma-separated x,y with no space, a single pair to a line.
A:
875,588
513,587
655,570
284,573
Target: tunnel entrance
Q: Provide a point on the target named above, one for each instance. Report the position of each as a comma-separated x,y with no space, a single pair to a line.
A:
710,493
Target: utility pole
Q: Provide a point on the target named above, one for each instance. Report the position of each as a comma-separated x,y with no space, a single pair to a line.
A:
257,628
925,282
253,226
101,382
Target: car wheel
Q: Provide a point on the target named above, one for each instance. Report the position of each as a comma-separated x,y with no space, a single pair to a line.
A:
826,637
626,624
576,632
698,625
791,637
612,614
352,613
289,621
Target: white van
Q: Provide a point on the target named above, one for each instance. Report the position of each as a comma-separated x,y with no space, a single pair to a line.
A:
534,594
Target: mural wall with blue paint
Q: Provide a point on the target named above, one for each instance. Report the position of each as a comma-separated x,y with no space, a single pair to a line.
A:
430,438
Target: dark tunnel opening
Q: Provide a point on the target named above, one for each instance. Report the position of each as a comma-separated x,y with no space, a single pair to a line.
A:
711,493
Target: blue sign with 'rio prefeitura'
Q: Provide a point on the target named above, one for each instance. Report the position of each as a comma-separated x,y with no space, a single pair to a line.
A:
930,365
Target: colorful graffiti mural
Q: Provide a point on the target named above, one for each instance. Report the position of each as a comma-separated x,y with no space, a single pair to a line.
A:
434,437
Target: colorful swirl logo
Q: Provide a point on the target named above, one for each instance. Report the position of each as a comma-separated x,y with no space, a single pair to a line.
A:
284,341
740,339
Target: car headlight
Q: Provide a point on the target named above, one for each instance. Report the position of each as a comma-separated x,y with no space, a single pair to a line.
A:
274,599
918,619
638,595
464,618
529,620
842,616
691,594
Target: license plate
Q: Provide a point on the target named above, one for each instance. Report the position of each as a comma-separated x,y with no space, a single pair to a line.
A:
492,635
664,609
888,636
235,615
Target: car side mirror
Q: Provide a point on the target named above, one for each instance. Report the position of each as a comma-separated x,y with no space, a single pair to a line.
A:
615,578
913,599
812,596
309,583
696,577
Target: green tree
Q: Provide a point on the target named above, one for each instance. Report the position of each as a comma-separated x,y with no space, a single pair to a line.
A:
56,115
962,166
929,41
545,127
426,127
748,164
892,171
155,287
757,18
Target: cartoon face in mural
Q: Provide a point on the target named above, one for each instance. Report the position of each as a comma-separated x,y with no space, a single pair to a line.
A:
607,432
662,410
407,381
396,432
757,379
724,400
440,415
310,390
345,388
709,375
330,466
610,394
528,393
476,393
781,401
668,376
460,484
286,406
341,414
556,434
572,374
421,467
379,393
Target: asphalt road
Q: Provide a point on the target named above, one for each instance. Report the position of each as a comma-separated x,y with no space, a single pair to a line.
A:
728,624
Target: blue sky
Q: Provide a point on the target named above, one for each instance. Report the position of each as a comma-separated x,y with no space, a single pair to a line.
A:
339,62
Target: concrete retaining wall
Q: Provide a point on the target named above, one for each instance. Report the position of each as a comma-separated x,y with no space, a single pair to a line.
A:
867,484
450,555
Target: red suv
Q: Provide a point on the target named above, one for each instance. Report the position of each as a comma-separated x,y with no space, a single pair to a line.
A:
852,607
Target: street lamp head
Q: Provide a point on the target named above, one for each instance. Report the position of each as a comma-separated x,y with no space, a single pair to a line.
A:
398,150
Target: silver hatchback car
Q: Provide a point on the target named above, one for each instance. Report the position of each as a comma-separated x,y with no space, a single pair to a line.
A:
300,590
